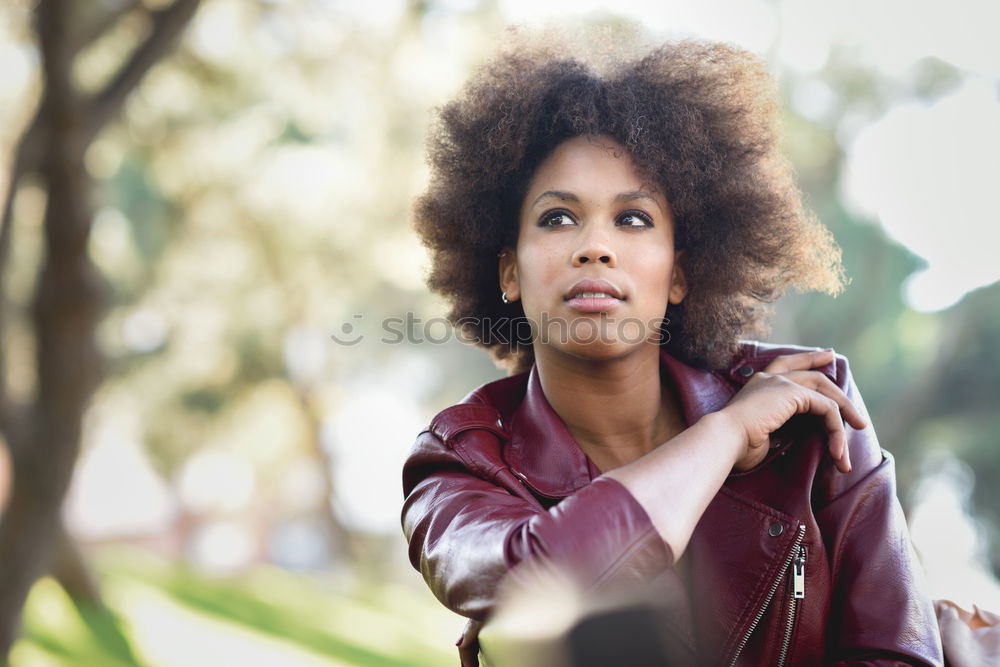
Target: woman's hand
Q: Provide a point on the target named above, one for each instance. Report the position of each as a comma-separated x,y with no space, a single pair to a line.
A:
675,482
786,387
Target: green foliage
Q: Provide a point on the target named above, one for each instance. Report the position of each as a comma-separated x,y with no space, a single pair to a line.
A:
378,626
151,215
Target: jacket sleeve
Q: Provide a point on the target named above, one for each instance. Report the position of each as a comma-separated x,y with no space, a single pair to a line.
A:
469,520
880,611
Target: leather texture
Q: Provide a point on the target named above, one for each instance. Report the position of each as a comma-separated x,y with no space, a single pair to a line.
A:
497,480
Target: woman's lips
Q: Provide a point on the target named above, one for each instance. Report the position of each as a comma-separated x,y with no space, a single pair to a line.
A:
593,296
593,304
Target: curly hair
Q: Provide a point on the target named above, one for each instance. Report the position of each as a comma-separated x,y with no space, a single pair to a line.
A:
698,119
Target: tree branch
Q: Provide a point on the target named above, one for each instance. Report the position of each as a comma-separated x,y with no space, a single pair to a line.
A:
59,95
15,426
26,159
100,26
168,24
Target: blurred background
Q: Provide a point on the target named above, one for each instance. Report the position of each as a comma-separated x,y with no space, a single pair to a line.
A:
217,346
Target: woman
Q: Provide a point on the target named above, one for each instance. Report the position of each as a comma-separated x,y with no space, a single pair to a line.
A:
611,235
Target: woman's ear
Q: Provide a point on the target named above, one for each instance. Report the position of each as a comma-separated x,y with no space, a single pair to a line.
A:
678,281
508,275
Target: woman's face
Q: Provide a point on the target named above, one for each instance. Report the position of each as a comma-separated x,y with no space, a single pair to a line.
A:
595,265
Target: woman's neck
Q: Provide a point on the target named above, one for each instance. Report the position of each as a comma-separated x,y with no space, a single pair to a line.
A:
617,410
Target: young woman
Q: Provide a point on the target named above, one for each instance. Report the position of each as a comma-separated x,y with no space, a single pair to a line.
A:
611,234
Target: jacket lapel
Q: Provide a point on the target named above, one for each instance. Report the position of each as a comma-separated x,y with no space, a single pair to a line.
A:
700,392
542,451
733,558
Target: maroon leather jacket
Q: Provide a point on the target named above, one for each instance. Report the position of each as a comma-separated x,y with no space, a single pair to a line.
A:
792,563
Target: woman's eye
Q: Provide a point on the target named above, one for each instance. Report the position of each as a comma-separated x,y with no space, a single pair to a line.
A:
556,219
636,219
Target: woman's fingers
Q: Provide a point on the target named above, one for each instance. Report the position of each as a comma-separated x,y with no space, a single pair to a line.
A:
814,393
829,410
801,361
818,382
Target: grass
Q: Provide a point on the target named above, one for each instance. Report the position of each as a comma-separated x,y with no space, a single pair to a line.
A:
161,614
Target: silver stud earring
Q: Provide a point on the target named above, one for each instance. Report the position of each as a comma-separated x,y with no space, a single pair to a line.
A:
503,297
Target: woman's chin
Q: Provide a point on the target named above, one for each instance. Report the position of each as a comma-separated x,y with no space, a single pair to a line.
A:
603,351
597,338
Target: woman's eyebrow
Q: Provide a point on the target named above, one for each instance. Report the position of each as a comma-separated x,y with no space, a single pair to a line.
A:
555,194
640,194
623,197
632,196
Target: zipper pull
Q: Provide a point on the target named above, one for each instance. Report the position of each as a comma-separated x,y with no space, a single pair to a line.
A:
799,575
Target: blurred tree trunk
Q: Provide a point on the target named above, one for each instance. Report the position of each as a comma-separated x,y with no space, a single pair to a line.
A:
44,436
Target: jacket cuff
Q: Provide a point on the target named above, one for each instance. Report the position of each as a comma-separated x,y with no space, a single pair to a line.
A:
600,535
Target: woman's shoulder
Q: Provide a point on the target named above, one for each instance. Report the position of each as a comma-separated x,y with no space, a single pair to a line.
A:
504,394
863,445
488,407
467,434
756,355
865,450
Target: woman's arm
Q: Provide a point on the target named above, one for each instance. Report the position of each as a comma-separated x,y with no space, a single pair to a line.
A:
676,481
469,520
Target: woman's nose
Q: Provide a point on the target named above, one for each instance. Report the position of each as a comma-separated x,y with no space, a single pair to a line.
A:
594,248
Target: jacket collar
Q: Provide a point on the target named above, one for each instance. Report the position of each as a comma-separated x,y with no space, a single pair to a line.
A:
700,392
543,452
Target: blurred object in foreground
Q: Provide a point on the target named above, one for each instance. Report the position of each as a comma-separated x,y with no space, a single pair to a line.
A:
545,619
970,638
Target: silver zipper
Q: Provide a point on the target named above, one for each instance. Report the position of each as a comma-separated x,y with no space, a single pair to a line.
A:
792,553
799,575
798,593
